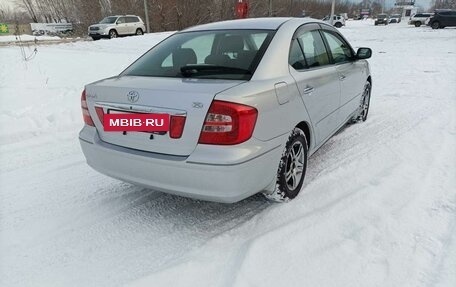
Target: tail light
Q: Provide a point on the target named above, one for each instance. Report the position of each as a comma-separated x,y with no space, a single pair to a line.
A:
176,126
85,110
228,124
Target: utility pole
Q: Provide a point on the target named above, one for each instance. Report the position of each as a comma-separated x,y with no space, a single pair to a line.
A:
146,12
333,6
270,8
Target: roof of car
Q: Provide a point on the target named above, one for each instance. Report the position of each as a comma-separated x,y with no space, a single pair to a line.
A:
271,23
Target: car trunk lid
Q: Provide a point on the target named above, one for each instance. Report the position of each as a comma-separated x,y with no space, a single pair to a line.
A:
175,96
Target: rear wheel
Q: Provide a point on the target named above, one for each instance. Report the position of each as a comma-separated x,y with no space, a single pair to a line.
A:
292,168
112,34
139,32
417,24
435,25
338,25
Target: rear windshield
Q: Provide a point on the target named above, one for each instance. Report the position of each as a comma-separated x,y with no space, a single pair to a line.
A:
221,54
382,16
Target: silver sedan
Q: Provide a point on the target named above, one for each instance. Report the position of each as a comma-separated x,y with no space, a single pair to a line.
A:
248,101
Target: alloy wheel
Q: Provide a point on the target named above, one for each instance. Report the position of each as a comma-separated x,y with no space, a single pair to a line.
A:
365,104
295,165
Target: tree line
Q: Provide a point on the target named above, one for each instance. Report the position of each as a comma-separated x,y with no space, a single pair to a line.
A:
167,15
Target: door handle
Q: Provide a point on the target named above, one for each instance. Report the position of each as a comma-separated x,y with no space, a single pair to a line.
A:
342,77
308,90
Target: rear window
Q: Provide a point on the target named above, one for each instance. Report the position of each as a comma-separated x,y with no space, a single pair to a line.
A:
221,54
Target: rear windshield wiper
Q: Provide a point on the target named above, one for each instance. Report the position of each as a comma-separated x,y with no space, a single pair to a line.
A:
190,70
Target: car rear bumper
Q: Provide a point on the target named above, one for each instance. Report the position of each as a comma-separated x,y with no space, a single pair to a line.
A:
197,176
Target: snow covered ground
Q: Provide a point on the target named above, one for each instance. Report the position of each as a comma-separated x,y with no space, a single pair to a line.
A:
378,206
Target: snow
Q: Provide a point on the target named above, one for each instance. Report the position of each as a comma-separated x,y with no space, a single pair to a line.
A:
25,38
378,206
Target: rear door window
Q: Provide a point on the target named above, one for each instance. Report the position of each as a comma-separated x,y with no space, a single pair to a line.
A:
314,49
132,19
308,51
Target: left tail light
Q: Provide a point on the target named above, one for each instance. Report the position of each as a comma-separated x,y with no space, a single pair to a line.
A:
228,123
85,110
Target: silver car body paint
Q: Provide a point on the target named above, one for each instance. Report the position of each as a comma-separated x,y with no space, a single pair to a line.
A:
280,93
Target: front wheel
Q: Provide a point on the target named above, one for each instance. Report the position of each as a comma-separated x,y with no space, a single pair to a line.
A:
417,24
435,25
338,25
112,34
363,109
292,168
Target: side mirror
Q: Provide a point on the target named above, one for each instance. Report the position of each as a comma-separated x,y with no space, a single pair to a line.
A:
363,53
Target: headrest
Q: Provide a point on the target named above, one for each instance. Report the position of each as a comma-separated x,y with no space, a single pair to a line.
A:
183,57
232,44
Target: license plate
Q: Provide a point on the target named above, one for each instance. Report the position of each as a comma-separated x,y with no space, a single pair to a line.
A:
122,121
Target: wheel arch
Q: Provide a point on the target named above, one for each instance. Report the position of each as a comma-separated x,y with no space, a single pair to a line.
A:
305,127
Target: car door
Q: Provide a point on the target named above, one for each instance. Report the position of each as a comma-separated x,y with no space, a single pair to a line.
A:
350,72
451,19
317,80
121,26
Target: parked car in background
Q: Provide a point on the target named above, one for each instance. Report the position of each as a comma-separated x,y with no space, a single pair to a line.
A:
248,102
419,19
395,18
442,19
338,21
114,26
381,19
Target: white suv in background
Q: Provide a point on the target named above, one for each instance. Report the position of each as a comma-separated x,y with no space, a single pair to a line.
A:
419,19
338,21
114,26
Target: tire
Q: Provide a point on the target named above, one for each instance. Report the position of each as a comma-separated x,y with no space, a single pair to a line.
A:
338,25
95,38
417,24
139,32
113,34
435,25
292,168
364,105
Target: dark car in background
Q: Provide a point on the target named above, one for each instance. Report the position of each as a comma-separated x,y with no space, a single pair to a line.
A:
442,19
381,19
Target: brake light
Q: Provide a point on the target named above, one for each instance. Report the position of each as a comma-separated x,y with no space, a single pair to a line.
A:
100,113
228,123
85,110
176,126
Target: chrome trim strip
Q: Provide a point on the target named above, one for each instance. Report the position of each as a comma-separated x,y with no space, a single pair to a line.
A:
140,108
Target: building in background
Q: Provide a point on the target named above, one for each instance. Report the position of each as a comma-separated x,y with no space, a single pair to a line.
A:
406,8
